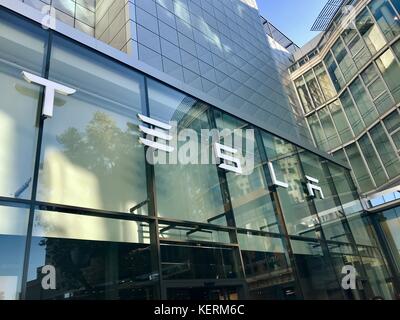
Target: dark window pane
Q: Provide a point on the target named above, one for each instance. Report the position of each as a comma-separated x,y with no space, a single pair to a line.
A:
184,262
13,229
93,257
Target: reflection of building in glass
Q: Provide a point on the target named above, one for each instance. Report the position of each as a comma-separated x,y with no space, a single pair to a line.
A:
348,81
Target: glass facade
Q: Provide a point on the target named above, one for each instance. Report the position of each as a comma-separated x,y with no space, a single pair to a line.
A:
79,200
360,126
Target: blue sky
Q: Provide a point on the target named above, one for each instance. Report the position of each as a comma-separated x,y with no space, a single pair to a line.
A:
293,17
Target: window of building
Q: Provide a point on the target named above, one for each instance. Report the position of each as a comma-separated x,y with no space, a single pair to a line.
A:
13,230
372,160
334,72
390,224
352,113
329,209
392,124
396,48
340,121
93,258
325,83
182,175
364,103
357,47
377,88
328,126
370,31
313,87
294,200
315,273
91,152
22,49
386,17
250,198
344,60
181,262
396,4
359,169
264,258
390,69
385,150
345,188
303,94
317,132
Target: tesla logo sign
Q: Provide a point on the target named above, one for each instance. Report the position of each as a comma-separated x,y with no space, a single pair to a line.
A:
157,130
312,183
157,135
51,88
230,163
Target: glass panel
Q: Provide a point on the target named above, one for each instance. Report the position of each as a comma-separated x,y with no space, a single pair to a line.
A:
370,31
93,258
91,153
377,276
13,229
21,49
396,139
250,198
324,81
365,105
346,189
329,210
359,51
329,128
344,60
382,99
314,89
334,72
183,176
386,17
340,121
372,160
303,94
318,133
390,224
396,48
265,264
396,4
392,122
352,113
359,169
184,262
316,276
345,255
385,150
294,200
341,156
390,70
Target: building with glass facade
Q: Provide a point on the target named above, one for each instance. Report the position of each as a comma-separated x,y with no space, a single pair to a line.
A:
84,213
348,82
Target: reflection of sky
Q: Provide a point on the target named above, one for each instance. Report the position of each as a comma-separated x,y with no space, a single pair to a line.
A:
12,250
163,101
385,198
292,17
37,258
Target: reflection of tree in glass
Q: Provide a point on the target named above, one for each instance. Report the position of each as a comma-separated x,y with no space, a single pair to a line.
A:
113,155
